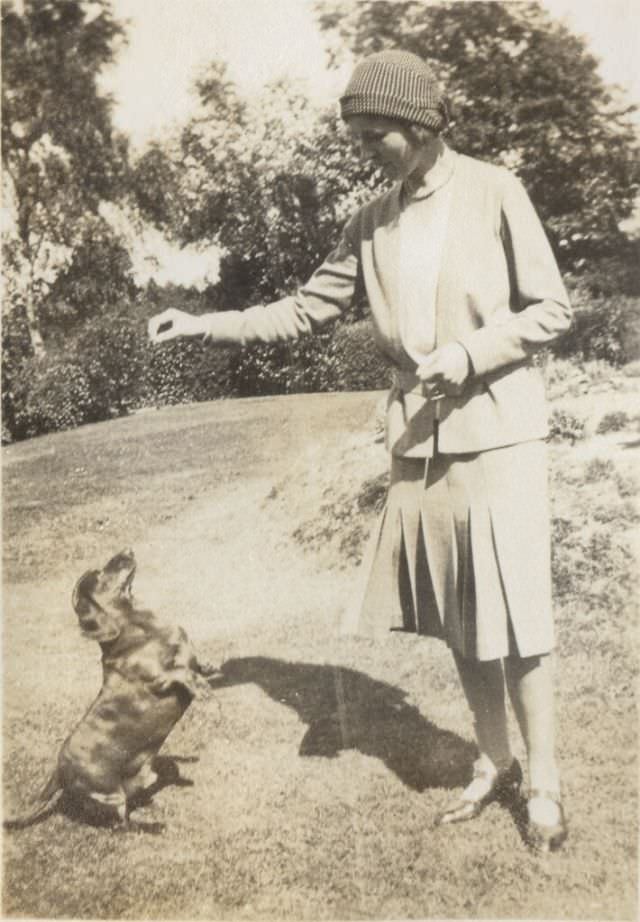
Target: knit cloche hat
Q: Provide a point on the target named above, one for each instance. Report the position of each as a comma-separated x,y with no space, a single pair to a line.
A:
395,84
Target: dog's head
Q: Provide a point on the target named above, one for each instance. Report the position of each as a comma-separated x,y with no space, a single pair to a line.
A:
102,598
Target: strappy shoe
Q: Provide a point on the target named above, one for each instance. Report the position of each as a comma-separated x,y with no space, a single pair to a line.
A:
502,787
541,837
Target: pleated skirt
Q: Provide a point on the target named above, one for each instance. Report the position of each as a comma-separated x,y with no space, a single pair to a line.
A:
462,552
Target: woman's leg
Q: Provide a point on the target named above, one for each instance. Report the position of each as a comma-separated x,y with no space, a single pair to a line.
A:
483,686
530,683
496,774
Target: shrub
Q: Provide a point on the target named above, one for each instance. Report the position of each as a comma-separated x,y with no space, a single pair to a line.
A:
182,370
613,422
111,350
599,469
565,425
626,485
345,358
14,395
605,327
185,371
286,368
373,493
312,364
345,520
101,359
16,347
575,378
56,394
357,364
592,552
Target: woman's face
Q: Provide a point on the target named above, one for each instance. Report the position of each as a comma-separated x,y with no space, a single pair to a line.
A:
387,143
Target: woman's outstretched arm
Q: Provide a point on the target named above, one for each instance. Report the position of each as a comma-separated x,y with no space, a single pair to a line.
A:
326,295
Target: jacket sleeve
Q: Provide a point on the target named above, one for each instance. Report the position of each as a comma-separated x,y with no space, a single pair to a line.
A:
326,295
539,311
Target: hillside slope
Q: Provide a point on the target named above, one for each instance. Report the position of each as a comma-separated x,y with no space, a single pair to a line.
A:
313,772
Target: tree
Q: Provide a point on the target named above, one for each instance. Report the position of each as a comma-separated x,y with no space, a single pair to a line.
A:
523,92
96,278
262,180
59,152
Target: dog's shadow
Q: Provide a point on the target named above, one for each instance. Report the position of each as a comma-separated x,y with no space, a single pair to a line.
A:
345,709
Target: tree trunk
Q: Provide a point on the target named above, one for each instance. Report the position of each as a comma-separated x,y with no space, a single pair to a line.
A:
35,336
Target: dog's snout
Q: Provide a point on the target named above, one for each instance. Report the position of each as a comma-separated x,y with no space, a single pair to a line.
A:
124,560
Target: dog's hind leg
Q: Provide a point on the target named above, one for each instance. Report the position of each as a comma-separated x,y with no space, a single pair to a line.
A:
145,778
115,802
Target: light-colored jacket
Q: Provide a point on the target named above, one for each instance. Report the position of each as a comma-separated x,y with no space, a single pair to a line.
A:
499,294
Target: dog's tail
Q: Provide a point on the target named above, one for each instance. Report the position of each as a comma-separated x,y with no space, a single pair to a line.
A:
41,806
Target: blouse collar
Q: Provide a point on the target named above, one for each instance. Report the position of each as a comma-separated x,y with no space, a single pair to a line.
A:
439,174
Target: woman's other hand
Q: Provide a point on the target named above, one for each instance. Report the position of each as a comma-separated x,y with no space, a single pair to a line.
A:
445,371
172,323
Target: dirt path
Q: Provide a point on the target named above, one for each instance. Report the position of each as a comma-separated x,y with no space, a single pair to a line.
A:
213,539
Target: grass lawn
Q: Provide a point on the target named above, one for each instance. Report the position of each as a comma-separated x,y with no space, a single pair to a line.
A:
305,785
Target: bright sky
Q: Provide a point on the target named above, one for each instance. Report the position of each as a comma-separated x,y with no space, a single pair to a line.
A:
170,40
263,39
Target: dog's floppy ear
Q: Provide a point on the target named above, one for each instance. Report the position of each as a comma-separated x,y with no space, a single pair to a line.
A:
95,621
83,590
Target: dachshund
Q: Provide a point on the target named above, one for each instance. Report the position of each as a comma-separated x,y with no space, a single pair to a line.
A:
150,677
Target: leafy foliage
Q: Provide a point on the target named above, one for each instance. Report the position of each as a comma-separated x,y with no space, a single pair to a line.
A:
565,425
617,421
591,557
263,180
271,181
113,353
357,362
523,92
60,155
54,393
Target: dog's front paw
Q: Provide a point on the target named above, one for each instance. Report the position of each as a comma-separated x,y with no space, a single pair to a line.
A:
207,670
171,681
162,685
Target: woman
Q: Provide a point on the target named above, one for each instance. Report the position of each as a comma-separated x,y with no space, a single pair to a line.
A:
463,289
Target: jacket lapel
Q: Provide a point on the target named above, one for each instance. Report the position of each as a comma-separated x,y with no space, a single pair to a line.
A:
448,279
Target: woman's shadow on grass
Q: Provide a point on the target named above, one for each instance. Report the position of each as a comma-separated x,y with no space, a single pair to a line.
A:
345,709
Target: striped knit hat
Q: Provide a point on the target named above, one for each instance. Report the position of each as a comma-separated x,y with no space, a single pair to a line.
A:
395,84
